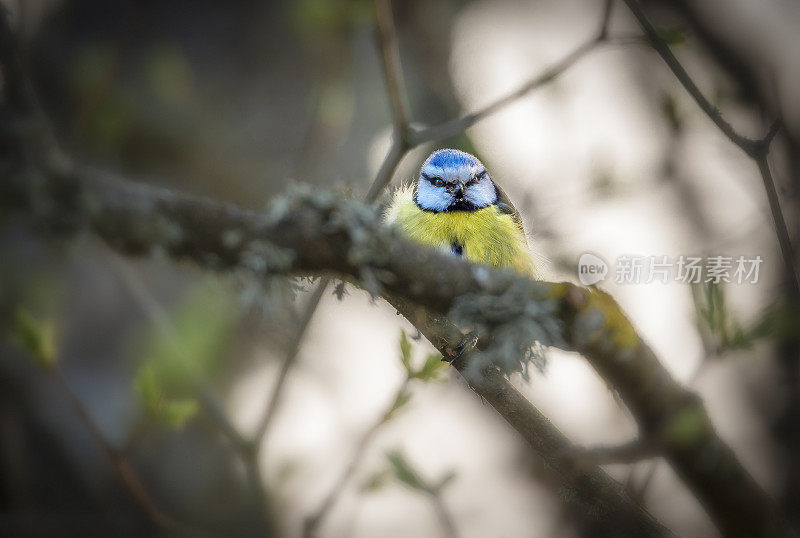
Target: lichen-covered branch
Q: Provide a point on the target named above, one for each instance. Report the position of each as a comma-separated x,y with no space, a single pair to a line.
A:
390,55
597,503
319,233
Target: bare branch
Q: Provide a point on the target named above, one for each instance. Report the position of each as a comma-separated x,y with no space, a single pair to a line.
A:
443,515
785,242
392,69
243,448
312,522
382,180
386,171
663,50
393,75
456,126
630,452
16,89
120,463
319,232
608,9
756,149
598,502
291,356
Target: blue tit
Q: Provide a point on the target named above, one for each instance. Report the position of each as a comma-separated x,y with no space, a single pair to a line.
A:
456,206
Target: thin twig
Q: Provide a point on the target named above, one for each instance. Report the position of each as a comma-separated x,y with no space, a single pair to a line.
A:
392,68
458,125
390,55
638,493
312,522
631,452
755,149
120,463
785,242
386,171
158,316
608,9
443,514
16,86
291,356
382,179
213,408
746,144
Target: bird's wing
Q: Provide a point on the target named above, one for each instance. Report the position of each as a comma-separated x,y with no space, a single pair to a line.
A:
505,206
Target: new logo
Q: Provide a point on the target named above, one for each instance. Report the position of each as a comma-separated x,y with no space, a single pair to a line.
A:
591,269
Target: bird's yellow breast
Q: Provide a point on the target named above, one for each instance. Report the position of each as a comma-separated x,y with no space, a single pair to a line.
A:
486,235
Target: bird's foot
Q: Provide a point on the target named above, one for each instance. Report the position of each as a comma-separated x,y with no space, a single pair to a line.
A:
467,344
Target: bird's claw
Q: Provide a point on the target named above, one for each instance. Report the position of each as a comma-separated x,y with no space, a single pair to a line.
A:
467,344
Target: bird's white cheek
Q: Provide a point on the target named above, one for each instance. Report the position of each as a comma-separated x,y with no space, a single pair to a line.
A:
482,194
432,198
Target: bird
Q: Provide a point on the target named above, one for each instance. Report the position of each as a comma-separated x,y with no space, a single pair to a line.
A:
455,205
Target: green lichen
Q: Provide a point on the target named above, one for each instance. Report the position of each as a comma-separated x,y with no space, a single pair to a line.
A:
687,427
264,258
601,322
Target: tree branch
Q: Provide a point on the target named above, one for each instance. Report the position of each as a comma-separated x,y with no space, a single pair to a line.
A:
755,149
392,69
390,55
630,452
291,356
314,520
244,450
318,233
312,233
16,90
747,145
121,464
458,125
598,503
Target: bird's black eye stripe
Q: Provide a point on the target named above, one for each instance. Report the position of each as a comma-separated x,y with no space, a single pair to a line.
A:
434,180
477,177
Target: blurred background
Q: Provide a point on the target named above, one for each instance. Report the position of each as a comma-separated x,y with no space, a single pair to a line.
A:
129,389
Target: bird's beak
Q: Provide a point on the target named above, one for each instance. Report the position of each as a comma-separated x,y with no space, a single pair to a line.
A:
459,191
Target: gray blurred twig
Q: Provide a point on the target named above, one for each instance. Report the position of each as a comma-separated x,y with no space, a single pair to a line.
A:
390,55
159,318
756,149
313,521
121,464
392,68
549,74
630,452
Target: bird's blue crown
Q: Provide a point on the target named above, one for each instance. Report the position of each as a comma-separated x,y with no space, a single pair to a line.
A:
451,158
